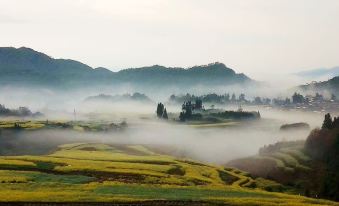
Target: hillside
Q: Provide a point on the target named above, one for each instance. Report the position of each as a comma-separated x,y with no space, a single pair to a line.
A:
284,162
331,85
212,74
26,67
308,167
135,97
131,174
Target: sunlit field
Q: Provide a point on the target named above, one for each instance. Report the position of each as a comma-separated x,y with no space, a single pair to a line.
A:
131,173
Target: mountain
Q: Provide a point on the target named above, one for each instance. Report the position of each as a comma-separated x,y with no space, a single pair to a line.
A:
136,97
24,66
211,74
331,86
319,74
27,67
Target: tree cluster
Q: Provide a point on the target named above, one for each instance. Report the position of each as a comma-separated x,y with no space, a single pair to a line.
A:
213,98
188,108
298,98
161,111
21,112
323,146
330,123
187,111
237,115
209,98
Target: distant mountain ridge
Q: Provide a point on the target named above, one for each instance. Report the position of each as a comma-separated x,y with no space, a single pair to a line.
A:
27,67
317,74
135,97
331,85
24,66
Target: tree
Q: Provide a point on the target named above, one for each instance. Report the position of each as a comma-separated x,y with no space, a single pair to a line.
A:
319,97
233,99
172,97
182,116
335,123
187,111
287,100
198,104
257,100
227,97
297,98
24,111
327,124
267,101
17,126
242,98
160,110
165,116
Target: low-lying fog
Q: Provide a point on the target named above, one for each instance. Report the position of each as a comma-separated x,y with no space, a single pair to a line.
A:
215,145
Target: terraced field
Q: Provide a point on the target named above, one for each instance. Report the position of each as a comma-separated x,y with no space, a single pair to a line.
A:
131,173
93,126
283,162
291,158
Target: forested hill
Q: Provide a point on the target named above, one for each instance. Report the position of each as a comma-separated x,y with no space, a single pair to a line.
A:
27,67
331,85
306,167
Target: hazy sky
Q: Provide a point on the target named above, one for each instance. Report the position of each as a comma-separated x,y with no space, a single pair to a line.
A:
250,36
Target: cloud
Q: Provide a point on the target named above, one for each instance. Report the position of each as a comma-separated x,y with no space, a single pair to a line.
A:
7,19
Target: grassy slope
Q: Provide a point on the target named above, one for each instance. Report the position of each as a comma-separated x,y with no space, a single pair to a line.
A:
97,172
80,126
288,165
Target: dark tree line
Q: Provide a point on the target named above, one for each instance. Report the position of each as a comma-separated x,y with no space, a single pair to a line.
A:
209,98
237,115
21,111
227,98
323,146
